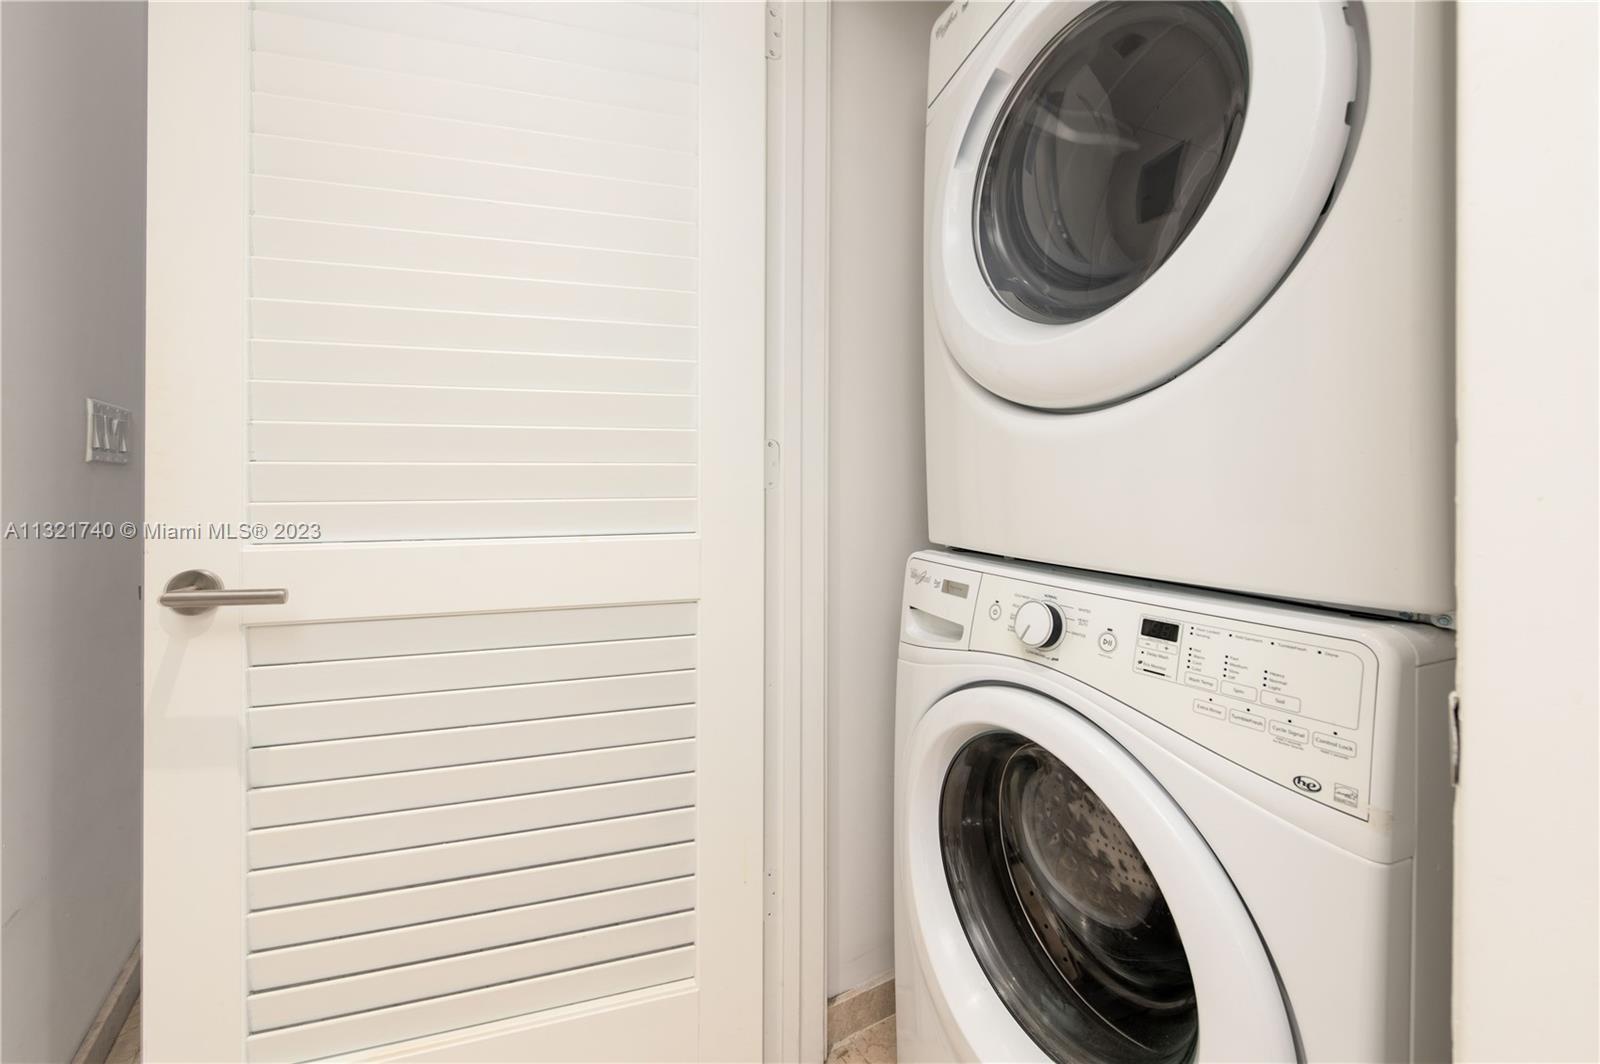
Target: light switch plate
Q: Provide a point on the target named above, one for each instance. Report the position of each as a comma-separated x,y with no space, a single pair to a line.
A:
107,436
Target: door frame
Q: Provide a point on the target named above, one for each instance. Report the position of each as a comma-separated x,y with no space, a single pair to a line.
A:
795,965
795,924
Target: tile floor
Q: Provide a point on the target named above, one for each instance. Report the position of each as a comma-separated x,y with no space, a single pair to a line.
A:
874,1045
125,1050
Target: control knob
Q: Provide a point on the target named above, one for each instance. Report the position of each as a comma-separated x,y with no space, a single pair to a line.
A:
1038,625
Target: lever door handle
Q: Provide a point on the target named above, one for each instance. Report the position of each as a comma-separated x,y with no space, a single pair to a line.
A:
196,591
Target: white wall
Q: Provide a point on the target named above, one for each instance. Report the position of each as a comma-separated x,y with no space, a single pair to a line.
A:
877,506
1526,978
72,87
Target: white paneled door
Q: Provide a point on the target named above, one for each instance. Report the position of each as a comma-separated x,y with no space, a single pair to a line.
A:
455,335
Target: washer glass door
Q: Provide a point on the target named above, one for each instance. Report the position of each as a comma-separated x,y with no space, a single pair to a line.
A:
1061,910
1106,154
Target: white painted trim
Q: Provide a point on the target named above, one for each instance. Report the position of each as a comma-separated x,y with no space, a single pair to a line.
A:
2,630
728,778
780,923
817,36
797,485
195,461
1527,465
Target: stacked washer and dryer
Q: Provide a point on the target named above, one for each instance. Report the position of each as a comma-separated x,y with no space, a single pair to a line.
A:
1172,765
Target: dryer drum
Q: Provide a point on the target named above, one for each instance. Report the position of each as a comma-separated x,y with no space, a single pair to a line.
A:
1061,910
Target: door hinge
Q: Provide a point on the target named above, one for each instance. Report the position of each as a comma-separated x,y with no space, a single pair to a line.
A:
1455,737
774,463
774,32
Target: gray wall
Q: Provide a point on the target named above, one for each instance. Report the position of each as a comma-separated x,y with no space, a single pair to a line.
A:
877,498
72,130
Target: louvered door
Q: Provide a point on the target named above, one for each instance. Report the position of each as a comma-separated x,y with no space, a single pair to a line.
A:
455,333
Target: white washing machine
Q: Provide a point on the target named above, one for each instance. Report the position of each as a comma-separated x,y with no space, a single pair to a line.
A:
1137,824
1189,293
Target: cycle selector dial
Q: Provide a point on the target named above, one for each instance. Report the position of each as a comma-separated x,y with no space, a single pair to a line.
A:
1038,625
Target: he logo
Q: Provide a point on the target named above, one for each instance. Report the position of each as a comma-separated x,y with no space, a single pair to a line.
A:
1307,784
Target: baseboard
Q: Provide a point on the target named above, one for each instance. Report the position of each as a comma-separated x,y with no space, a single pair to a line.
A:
113,1014
856,1010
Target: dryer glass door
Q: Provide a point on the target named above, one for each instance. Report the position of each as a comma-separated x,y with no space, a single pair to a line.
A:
1108,215
1062,911
1107,153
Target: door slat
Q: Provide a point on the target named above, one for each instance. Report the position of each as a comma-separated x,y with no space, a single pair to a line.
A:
460,213
292,276
411,405
297,884
408,249
326,840
383,127
352,82
460,482
416,673
287,441
334,799
403,907
286,30
346,758
287,644
467,934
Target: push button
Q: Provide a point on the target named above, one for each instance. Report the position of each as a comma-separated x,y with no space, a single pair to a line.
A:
1289,732
1277,701
1246,719
1337,745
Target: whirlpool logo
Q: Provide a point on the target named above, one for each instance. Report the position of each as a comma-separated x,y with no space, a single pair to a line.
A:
942,27
1307,784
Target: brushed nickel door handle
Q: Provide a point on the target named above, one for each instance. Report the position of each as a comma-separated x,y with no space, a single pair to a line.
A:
196,591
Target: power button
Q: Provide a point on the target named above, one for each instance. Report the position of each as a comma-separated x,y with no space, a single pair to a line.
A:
1108,641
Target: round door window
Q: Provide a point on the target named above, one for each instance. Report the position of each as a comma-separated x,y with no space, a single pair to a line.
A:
1107,153
1061,910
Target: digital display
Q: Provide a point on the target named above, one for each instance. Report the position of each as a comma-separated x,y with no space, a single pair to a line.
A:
956,588
1166,630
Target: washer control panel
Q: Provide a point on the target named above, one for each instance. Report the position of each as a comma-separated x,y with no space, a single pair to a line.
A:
1293,707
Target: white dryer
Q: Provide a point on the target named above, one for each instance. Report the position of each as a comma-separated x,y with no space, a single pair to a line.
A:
1140,825
1188,303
